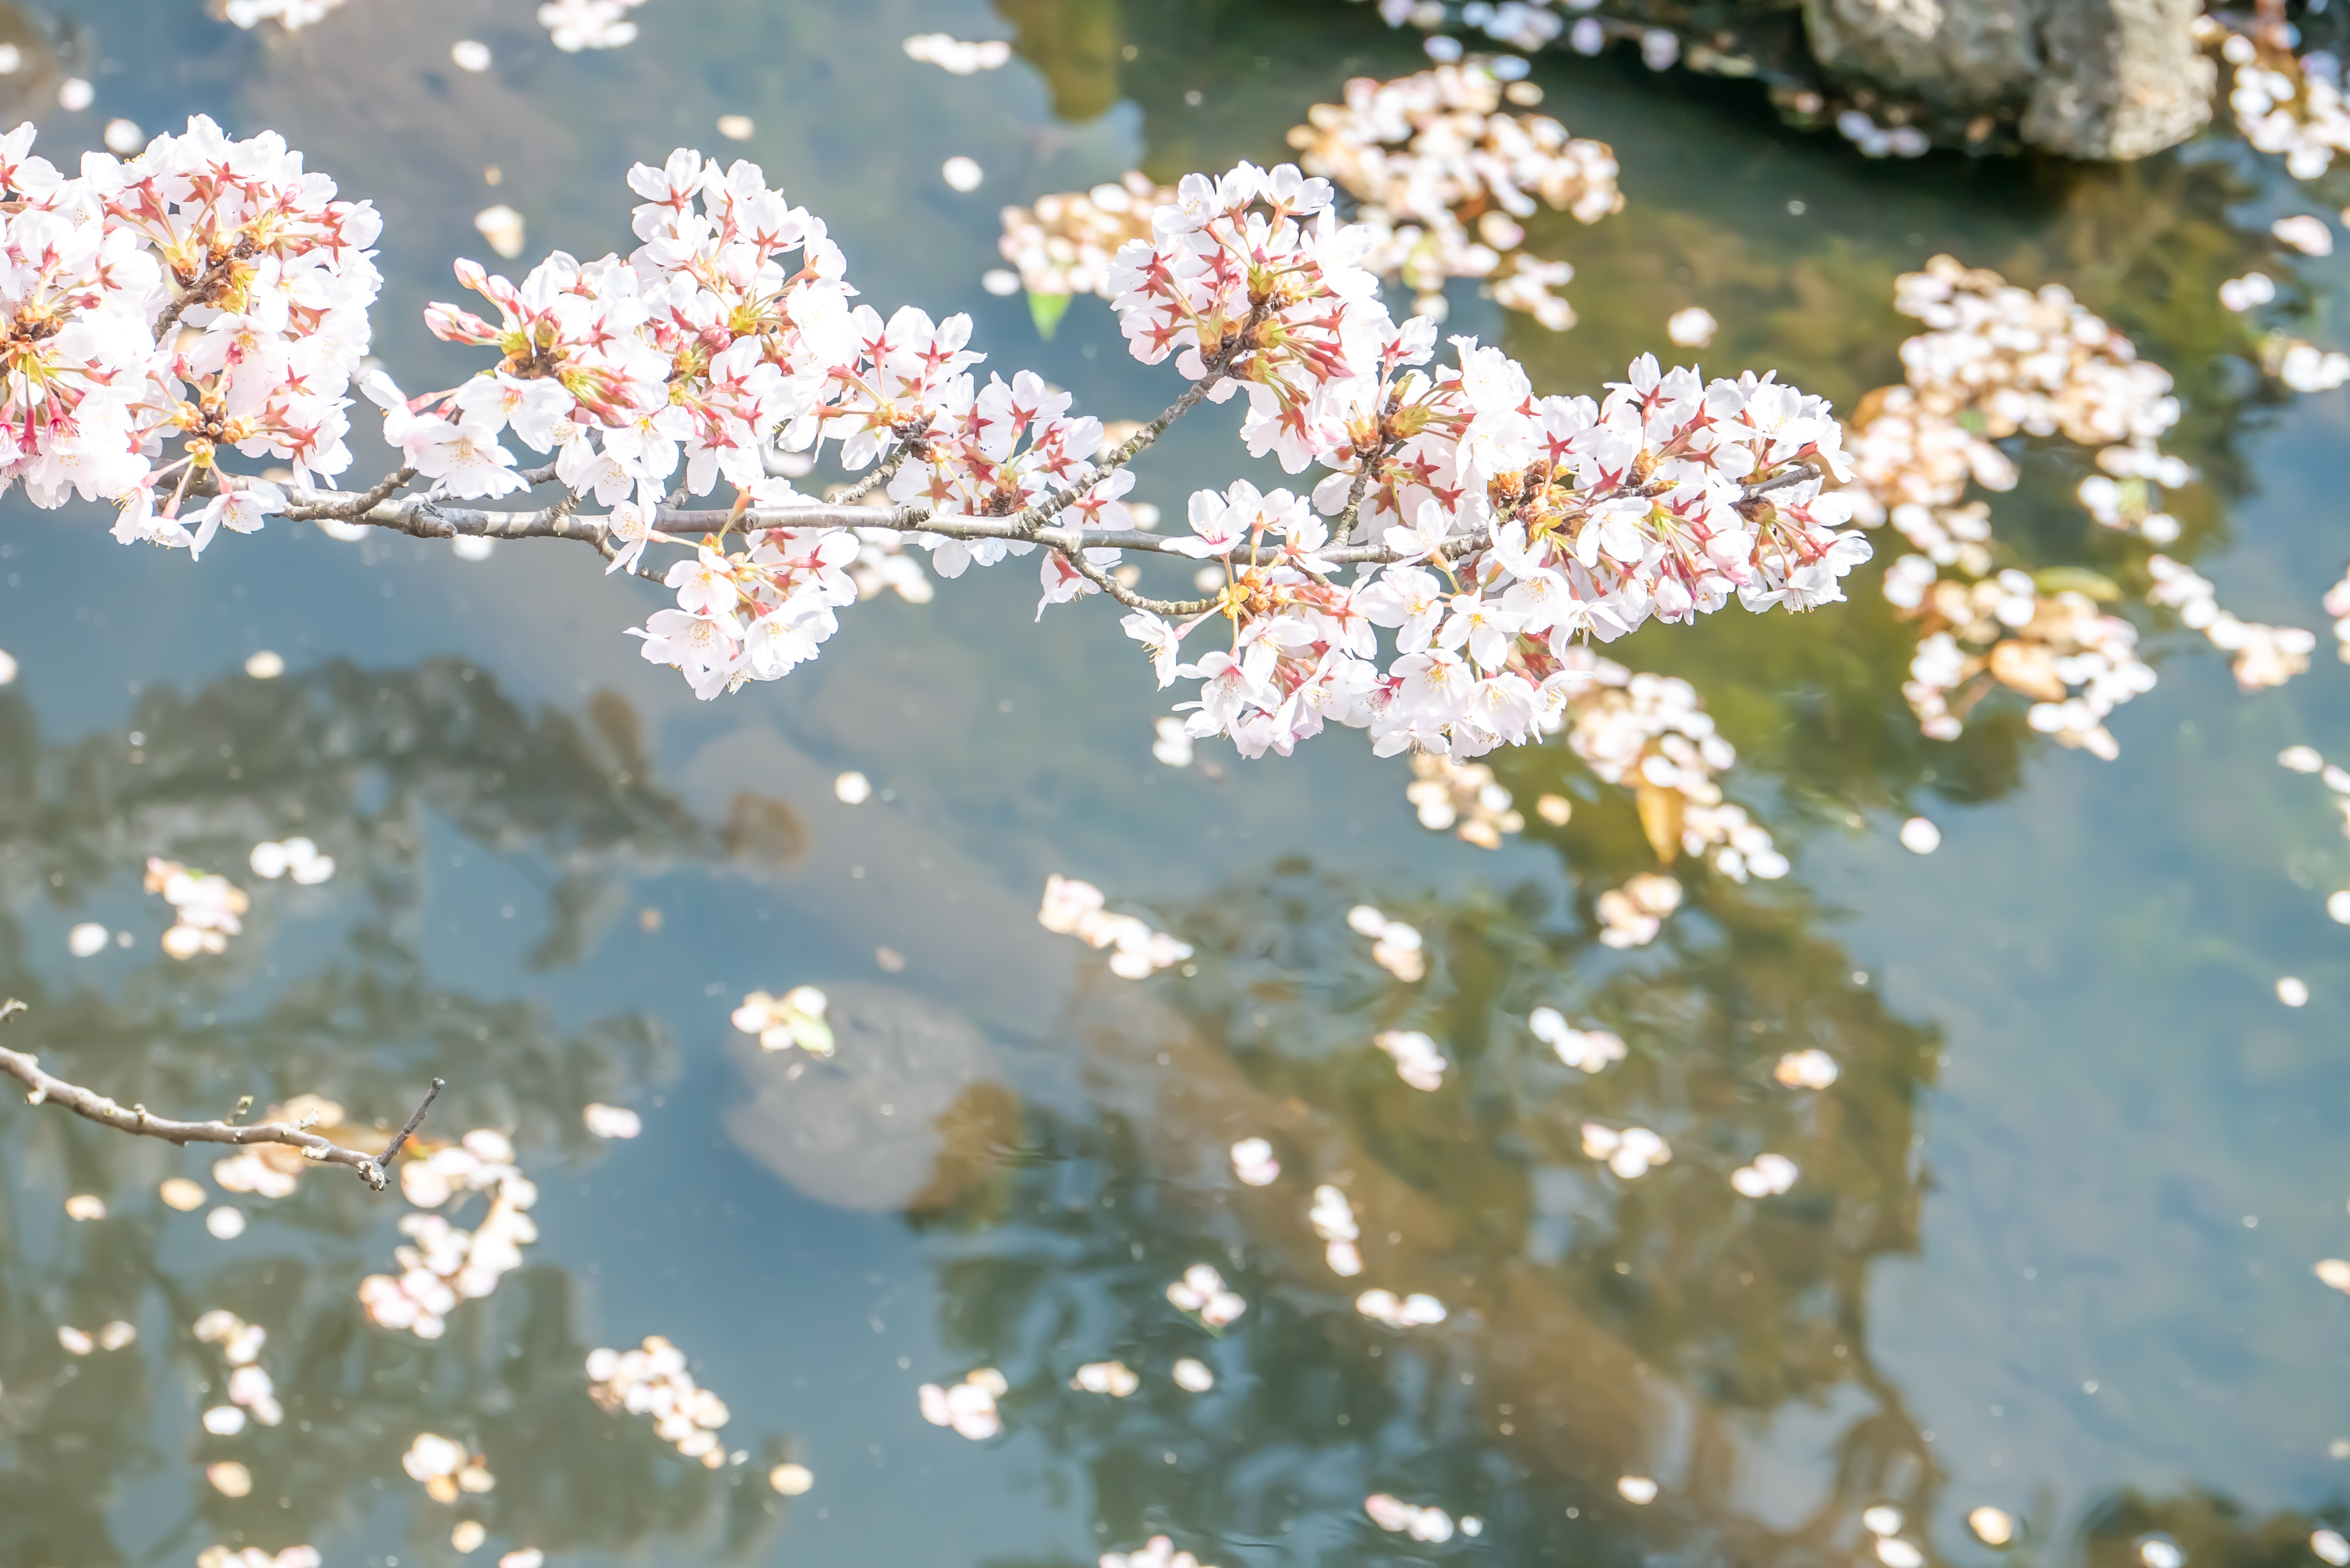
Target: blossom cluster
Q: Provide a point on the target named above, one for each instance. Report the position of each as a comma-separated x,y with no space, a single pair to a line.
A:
208,292
446,1468
1418,1060
1548,519
968,1407
114,1335
652,1380
1463,797
2076,662
1062,244
2290,108
1159,1552
1590,1050
1998,360
1202,1293
298,857
444,1264
1415,1311
273,1169
576,25
1629,1152
1766,1176
1333,1219
726,348
2302,365
291,14
796,1018
1632,915
2265,655
1427,1522
2337,605
1651,734
207,909
217,1556
1807,1069
250,1390
1114,1379
1396,947
1445,178
956,57
2336,778
1253,1162
1079,909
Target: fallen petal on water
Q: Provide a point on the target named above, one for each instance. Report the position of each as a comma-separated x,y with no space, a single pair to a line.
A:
612,1121
502,227
1991,1526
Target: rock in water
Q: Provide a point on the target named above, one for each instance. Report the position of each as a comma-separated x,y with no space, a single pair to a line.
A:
2097,78
907,1114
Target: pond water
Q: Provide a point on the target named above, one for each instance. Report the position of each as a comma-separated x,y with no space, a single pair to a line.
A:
2050,1249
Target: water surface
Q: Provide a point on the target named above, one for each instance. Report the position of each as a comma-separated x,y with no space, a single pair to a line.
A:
2051,1246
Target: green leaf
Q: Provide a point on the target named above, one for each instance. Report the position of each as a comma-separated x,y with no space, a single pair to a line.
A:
2075,580
1046,310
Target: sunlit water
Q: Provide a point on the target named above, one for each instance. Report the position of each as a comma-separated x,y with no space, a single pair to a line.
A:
2050,1249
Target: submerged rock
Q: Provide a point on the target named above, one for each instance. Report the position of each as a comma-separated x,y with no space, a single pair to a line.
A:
906,1112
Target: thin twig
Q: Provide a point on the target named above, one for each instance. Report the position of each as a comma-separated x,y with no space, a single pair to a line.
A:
415,1120
1166,609
1127,451
212,273
44,1088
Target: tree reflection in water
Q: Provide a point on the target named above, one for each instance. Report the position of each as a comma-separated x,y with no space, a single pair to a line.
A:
379,767
1600,1328
1663,1326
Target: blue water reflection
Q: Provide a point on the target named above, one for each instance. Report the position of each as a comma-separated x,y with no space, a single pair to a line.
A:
2052,1250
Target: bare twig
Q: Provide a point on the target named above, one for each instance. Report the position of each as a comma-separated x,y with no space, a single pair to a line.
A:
1166,609
415,1120
44,1088
366,500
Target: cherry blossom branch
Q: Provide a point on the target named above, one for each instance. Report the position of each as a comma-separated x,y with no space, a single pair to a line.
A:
199,292
1489,508
1139,441
45,1089
366,500
422,518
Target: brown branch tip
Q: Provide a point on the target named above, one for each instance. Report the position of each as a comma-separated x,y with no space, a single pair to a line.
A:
45,1088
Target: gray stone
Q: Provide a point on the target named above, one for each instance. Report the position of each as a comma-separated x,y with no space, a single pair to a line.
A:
2090,78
